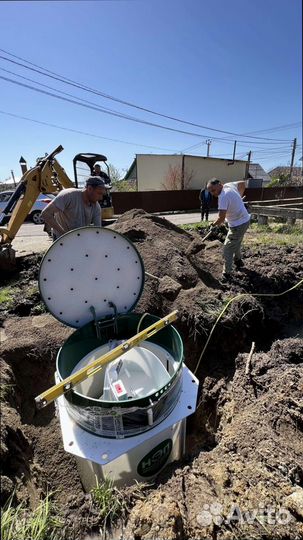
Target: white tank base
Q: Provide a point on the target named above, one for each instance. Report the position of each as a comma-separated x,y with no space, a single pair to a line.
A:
139,458
155,453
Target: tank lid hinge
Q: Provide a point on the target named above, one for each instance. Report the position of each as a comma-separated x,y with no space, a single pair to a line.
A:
106,322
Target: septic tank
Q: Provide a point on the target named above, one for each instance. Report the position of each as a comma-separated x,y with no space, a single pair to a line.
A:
127,420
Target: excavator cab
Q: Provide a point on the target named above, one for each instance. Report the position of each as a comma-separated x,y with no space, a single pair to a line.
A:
86,165
47,176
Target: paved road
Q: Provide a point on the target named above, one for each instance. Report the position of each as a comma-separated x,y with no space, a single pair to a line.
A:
32,239
188,218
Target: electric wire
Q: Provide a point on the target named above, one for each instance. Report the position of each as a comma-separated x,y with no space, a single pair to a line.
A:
277,128
56,126
140,321
257,153
240,144
278,148
81,86
102,109
237,297
61,91
98,108
82,132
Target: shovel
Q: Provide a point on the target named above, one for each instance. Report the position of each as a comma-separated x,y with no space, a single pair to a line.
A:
208,234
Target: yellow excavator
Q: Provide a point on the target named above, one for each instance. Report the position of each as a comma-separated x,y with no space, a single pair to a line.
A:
47,176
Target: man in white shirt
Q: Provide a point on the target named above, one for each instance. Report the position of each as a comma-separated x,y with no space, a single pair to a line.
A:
231,209
73,208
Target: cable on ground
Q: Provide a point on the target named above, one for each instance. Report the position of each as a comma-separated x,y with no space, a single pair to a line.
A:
237,297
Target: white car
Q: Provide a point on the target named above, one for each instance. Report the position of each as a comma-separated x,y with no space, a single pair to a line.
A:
35,213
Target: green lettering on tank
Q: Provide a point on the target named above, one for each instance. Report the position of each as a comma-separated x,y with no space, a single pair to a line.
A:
155,459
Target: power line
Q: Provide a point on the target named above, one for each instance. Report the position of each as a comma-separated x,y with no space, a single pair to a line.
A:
277,128
270,156
64,93
65,80
96,107
244,144
256,155
82,132
259,152
105,111
99,136
272,150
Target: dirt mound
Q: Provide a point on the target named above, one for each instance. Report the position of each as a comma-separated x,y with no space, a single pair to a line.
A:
244,444
21,289
190,273
256,465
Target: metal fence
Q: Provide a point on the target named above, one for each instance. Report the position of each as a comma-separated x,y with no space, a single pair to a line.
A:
170,201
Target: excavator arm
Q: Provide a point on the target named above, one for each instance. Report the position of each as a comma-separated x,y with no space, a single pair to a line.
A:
46,177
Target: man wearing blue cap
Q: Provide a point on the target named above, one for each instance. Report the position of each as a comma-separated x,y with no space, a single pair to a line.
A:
73,208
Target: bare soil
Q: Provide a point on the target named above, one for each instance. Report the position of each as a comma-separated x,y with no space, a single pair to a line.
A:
244,443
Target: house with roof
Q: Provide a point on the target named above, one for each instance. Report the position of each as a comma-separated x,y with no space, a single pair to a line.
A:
297,177
158,172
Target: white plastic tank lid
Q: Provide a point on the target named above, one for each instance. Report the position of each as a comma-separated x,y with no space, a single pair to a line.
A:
90,266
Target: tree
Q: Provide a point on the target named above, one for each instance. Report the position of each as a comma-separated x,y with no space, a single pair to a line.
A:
114,173
117,180
281,180
173,178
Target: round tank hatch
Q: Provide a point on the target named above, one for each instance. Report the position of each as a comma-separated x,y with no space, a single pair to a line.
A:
130,395
87,268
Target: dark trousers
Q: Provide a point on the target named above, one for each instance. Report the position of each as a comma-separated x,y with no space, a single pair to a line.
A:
204,212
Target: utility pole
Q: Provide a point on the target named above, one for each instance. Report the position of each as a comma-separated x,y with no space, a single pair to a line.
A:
13,177
182,173
208,142
292,158
234,154
247,164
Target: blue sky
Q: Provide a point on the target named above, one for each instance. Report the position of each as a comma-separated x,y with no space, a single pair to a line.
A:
233,65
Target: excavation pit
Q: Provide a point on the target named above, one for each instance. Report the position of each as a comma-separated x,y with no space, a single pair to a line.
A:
239,447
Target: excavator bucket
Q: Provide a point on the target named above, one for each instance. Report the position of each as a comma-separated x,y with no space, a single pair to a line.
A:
7,259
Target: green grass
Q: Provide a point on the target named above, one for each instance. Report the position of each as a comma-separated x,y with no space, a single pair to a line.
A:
39,309
278,234
19,523
11,294
196,226
273,234
211,306
4,391
7,296
108,500
31,291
